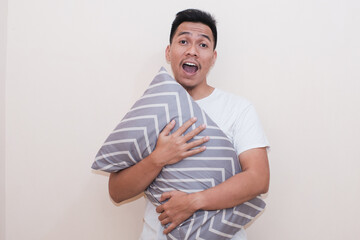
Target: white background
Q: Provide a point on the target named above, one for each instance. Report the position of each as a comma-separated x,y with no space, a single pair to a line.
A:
72,68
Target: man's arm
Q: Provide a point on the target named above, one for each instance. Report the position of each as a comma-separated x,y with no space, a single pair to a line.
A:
251,182
170,148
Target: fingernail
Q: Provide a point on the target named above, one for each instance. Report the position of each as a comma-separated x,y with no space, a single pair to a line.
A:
203,125
194,118
207,138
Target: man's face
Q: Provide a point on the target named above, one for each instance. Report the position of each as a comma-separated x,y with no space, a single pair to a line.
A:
191,54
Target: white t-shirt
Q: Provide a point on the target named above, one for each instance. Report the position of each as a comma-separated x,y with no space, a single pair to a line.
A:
238,119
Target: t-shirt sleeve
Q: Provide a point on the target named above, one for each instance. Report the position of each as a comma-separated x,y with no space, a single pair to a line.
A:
248,132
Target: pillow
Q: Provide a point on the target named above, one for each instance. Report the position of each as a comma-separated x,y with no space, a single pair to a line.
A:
135,138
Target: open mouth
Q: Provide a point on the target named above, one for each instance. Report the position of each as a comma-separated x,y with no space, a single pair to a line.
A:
190,67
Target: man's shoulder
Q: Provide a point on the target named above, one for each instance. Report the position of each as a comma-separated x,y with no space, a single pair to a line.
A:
231,99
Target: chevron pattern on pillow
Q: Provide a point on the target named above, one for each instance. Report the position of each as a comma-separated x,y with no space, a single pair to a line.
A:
135,138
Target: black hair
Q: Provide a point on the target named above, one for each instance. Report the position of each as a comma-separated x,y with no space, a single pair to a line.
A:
197,16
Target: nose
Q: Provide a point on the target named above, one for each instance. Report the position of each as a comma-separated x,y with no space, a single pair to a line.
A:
192,50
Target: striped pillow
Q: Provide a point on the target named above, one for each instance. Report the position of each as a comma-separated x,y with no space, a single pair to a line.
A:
135,138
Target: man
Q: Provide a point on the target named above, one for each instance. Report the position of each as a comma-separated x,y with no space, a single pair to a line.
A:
191,54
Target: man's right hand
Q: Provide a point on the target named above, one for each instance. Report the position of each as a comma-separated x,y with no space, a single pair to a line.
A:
172,148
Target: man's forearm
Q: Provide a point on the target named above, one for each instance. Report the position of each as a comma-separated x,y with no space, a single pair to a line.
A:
251,182
236,190
134,180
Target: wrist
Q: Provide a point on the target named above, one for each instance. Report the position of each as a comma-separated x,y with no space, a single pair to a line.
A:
153,161
197,201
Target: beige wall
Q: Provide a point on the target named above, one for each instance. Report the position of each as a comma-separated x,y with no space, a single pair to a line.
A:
75,67
3,16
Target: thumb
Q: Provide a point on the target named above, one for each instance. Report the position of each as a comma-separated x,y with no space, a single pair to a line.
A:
165,196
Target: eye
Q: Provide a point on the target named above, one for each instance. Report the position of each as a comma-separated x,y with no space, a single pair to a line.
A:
183,42
203,45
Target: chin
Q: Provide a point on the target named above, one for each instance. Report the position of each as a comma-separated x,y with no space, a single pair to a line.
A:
188,84
188,87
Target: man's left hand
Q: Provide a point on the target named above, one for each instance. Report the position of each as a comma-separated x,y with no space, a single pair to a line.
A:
179,207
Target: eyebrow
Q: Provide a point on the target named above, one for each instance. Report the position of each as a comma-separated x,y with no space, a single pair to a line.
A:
188,33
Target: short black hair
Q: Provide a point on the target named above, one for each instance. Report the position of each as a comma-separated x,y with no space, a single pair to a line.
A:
197,16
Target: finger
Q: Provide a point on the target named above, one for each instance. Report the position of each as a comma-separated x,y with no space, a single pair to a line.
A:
197,142
162,216
194,151
165,196
165,221
185,126
159,209
194,132
166,131
170,228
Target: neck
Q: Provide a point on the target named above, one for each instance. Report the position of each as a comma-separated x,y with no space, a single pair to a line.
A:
199,93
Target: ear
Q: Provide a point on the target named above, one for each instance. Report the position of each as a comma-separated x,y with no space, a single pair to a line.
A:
167,54
214,58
